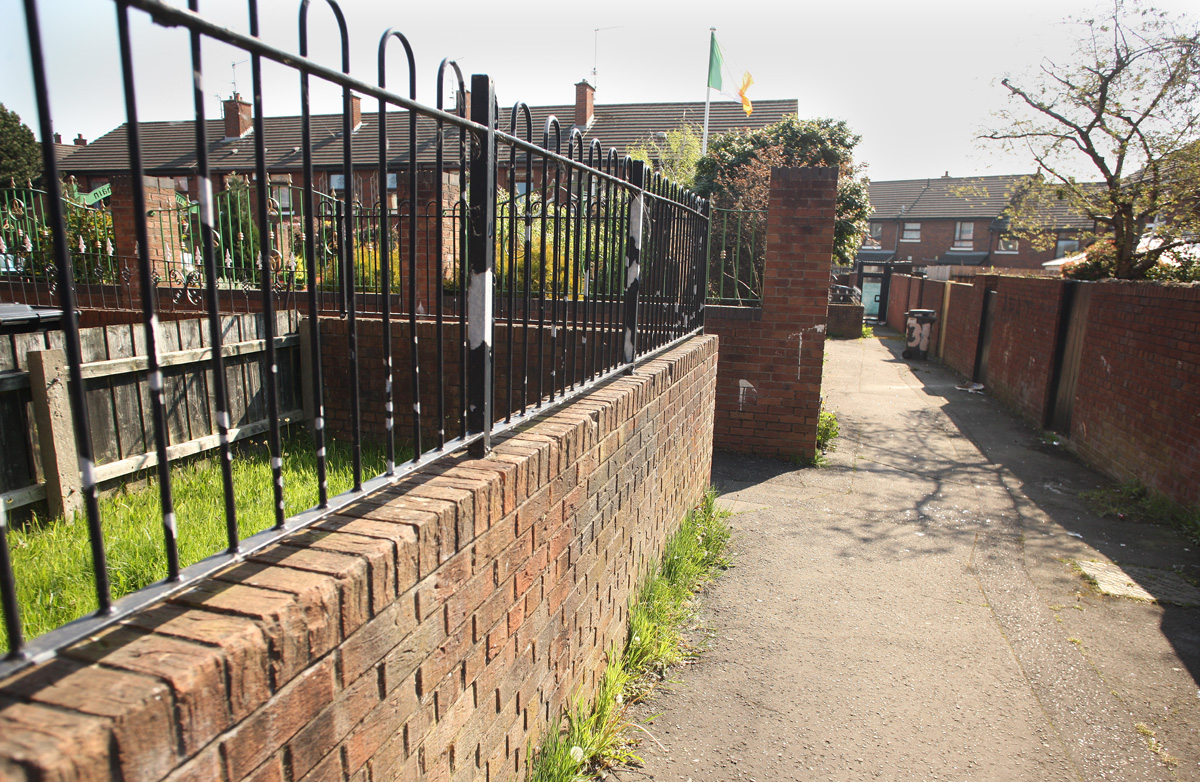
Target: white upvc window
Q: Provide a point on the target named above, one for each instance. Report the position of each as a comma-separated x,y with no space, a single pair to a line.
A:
912,232
874,235
1007,244
1065,247
964,236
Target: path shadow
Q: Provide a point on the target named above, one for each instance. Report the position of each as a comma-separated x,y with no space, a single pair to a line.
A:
1052,478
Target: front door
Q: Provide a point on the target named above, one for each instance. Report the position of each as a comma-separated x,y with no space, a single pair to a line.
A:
872,293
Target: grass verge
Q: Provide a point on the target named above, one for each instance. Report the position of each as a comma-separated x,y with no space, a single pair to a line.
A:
1134,501
597,735
52,557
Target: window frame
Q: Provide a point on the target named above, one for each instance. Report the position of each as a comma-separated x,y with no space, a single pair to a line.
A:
907,228
1007,238
1060,250
962,242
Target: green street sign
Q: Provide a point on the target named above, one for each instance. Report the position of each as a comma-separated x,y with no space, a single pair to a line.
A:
104,191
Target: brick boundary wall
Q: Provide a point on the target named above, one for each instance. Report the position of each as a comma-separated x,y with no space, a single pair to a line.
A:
845,321
427,632
1137,405
769,374
1136,411
1024,339
962,327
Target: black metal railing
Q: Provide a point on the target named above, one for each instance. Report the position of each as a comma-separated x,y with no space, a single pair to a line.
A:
555,266
736,252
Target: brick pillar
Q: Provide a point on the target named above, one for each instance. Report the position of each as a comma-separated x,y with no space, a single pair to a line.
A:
769,371
160,195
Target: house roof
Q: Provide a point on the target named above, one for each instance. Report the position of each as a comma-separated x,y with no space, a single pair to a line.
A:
945,197
169,147
962,198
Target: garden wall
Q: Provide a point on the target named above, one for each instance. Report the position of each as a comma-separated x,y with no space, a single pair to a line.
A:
426,632
1133,413
769,377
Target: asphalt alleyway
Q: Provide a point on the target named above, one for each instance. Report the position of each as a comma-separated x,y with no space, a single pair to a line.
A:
910,612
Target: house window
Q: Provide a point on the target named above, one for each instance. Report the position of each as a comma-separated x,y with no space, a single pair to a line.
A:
283,197
337,182
1065,247
964,236
522,187
392,181
1007,244
874,235
912,232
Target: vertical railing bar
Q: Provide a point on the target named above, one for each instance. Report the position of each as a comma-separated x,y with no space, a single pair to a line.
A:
633,260
315,303
265,282
559,282
414,199
510,271
587,262
208,250
150,319
527,238
549,197
577,264
440,252
481,254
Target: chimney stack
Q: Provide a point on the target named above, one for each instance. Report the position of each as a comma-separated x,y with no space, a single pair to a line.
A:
355,112
57,138
237,117
585,99
80,141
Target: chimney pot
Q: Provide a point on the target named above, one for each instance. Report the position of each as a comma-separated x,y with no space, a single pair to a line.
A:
237,117
585,100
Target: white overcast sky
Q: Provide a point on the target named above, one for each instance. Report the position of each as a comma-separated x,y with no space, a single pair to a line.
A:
917,80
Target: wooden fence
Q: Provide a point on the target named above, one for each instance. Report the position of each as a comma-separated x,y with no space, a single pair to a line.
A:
36,436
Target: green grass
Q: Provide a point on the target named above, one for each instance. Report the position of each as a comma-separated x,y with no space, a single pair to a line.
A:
596,736
52,558
1134,501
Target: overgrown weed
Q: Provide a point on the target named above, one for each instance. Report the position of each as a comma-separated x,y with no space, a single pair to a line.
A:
1134,501
597,736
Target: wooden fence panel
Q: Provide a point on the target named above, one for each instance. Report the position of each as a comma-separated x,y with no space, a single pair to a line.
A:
118,396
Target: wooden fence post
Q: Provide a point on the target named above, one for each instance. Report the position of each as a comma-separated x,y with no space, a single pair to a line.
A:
56,434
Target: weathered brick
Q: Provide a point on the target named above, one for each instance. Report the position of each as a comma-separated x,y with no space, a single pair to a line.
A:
241,642
39,742
138,707
268,729
195,673
297,631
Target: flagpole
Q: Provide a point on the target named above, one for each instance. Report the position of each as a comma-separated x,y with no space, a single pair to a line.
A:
712,31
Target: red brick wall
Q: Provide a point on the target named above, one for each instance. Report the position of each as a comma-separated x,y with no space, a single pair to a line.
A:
845,320
962,327
1024,338
1137,408
429,631
769,377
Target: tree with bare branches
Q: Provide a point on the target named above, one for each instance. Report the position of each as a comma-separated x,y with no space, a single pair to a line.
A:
1126,109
